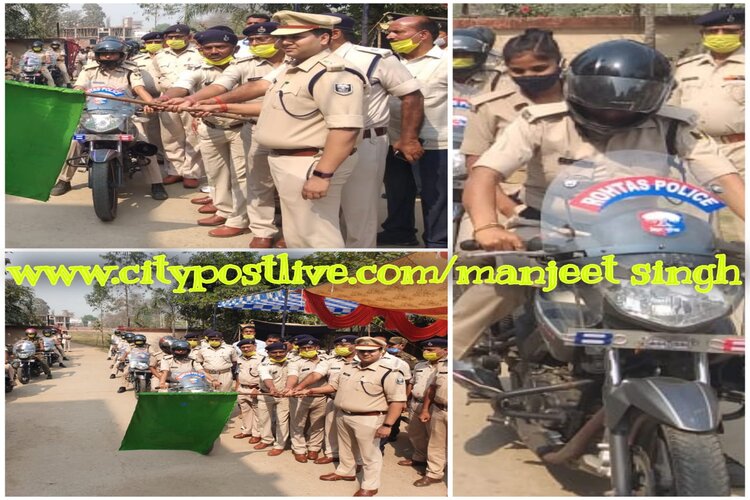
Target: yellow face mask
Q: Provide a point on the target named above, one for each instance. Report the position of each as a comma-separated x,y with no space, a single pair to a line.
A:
278,361
404,46
249,337
176,44
193,343
220,62
264,51
343,351
431,356
153,47
722,44
463,62
214,343
308,354
248,354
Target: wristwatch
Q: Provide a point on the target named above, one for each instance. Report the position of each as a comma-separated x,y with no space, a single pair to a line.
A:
322,175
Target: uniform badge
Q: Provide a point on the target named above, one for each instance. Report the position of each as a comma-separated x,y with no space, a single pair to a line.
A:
261,30
226,38
342,88
400,381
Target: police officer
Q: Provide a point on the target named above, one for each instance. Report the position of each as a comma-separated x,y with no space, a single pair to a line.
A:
433,351
38,58
224,143
111,70
387,77
369,397
247,332
218,359
140,345
49,333
33,336
194,340
713,85
273,403
396,346
588,123
57,57
311,120
180,142
309,413
247,386
122,348
435,411
470,66
180,362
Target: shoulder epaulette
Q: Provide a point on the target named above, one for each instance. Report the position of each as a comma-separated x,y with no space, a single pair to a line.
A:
677,113
686,60
330,65
374,50
533,113
504,91
92,64
244,59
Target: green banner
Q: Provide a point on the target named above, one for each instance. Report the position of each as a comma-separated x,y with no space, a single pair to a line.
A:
39,124
178,421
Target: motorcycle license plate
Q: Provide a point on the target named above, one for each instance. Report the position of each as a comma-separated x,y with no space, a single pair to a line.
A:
653,341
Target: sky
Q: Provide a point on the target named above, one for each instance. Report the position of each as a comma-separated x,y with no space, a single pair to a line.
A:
117,11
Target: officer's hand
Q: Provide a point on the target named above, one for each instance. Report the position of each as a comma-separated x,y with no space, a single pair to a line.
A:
411,149
497,238
203,110
424,417
148,110
215,383
315,188
383,432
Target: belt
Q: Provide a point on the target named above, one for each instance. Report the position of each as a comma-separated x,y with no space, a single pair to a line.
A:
218,372
301,152
219,127
377,131
442,407
363,413
249,386
729,139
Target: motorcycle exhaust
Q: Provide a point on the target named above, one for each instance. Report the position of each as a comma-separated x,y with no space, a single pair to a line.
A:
143,148
577,445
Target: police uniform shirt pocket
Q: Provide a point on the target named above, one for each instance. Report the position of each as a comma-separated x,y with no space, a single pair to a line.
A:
288,98
735,87
370,388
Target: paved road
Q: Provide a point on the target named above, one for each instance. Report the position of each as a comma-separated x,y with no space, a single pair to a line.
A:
69,221
62,436
490,460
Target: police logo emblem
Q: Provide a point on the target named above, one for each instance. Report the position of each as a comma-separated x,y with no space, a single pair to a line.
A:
730,18
226,38
342,88
261,30
400,381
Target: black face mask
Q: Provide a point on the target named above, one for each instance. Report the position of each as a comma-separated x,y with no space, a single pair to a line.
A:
110,65
533,85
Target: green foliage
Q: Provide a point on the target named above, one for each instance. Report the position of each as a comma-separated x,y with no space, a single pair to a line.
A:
100,300
32,20
156,11
88,319
19,304
93,15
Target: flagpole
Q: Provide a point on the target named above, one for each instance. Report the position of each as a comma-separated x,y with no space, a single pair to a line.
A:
285,312
162,106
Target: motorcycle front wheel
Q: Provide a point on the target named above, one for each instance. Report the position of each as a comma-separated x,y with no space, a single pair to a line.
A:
670,462
24,376
104,189
136,387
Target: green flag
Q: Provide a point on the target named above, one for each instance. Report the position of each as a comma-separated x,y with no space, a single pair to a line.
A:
178,421
39,124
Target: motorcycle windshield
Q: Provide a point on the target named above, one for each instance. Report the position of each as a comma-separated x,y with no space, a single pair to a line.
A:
49,344
627,202
139,360
104,115
24,349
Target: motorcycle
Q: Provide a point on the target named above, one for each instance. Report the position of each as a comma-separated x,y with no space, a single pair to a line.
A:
139,373
112,347
622,379
110,148
31,71
24,351
50,354
9,380
57,75
190,382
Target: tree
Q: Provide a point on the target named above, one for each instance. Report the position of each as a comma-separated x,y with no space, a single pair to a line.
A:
93,15
122,259
71,19
19,304
155,11
32,20
649,24
89,318
100,300
165,302
40,309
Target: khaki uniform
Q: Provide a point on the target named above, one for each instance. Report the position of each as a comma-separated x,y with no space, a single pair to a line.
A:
149,125
152,362
180,141
297,114
58,59
176,367
309,413
539,138
398,364
419,432
362,398
248,376
122,347
716,91
224,146
125,77
260,192
217,362
271,408
42,57
360,197
437,449
331,368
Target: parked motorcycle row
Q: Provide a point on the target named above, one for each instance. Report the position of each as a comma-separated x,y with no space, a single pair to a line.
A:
27,358
631,383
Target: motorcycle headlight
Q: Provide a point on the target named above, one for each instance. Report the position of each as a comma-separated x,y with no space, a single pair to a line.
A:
459,164
674,307
101,122
140,366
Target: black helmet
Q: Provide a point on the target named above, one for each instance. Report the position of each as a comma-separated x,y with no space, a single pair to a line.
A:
182,346
469,44
117,332
134,47
31,332
165,344
485,34
128,337
37,44
139,339
54,43
619,75
48,331
109,46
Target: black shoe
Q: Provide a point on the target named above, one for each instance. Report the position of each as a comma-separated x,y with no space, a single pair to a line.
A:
61,365
120,390
385,238
112,375
60,188
49,376
158,192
